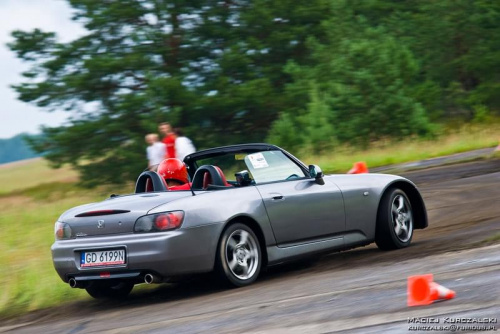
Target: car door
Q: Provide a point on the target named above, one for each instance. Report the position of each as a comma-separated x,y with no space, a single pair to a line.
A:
302,210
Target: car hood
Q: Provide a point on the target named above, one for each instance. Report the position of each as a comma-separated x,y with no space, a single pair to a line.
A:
115,215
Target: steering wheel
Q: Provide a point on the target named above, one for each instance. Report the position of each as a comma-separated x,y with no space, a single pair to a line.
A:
293,176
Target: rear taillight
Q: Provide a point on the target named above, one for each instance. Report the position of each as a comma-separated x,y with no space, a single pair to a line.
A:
62,231
158,222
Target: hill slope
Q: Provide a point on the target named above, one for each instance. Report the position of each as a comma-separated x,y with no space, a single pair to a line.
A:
14,149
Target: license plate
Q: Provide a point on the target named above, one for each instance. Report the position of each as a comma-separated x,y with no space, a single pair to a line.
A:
102,258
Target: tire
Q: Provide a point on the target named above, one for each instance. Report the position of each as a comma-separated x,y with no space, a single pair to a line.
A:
394,221
239,257
109,290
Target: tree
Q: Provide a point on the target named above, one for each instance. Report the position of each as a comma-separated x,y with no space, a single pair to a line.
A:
249,44
119,80
213,67
370,89
314,129
364,81
456,43
238,70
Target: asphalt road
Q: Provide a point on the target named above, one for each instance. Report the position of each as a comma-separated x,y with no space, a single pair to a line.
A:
362,290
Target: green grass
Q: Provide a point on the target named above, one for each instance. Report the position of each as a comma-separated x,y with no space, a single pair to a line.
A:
493,239
32,196
28,278
466,138
30,206
24,174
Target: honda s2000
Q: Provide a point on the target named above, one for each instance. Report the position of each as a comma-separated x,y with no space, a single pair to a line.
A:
248,206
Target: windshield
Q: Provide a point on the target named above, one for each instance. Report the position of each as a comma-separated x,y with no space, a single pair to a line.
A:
260,167
272,166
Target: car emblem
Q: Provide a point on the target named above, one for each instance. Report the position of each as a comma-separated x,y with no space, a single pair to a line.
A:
81,234
100,224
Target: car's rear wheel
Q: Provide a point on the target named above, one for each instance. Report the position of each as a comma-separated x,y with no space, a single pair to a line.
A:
109,289
239,257
394,221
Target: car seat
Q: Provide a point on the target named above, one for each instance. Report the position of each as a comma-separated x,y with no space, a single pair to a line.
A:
149,182
209,177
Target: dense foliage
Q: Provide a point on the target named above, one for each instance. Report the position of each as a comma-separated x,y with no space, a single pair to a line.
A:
315,72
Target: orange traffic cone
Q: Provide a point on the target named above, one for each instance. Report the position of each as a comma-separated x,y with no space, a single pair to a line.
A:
423,291
359,167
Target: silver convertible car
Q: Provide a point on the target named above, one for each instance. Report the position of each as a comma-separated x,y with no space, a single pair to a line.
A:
270,209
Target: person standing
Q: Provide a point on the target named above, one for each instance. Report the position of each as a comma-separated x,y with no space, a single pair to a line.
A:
183,145
168,139
155,151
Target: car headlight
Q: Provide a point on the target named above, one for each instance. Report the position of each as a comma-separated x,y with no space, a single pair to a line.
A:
62,231
158,222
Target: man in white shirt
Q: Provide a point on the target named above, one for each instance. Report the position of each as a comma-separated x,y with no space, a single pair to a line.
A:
155,151
183,145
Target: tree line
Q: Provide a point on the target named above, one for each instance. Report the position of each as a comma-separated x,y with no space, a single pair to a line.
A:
313,73
15,148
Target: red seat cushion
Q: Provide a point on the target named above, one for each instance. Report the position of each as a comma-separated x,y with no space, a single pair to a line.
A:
222,176
149,185
207,178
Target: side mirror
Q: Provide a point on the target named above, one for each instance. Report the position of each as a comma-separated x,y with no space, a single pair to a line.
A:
243,178
317,174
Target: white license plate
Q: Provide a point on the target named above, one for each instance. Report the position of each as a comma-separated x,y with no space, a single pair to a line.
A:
102,258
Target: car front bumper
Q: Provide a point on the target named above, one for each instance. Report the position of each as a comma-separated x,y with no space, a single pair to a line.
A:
171,253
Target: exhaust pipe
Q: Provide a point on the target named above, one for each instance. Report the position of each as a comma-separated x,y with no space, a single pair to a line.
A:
72,282
75,284
150,279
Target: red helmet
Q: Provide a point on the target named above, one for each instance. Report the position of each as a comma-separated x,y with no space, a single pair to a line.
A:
173,169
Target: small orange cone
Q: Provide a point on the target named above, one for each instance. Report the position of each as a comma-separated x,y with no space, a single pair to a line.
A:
441,292
423,291
359,167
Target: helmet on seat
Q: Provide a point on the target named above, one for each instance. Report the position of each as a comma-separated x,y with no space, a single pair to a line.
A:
173,169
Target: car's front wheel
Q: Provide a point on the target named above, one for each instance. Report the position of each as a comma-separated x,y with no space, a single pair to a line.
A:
394,221
239,256
109,290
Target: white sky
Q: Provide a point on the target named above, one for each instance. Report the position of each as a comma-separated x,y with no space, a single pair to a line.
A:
48,15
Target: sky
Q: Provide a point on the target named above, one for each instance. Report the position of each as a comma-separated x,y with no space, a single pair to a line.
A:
49,15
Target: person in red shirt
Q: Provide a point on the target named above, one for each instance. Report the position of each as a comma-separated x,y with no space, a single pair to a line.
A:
168,139
175,174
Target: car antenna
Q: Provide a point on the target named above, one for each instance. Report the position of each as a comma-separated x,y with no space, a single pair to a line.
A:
190,183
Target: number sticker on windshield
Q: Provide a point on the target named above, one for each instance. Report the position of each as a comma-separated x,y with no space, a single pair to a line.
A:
257,160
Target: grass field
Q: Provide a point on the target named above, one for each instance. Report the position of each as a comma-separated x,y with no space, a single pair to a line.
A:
28,173
31,199
32,196
28,278
465,138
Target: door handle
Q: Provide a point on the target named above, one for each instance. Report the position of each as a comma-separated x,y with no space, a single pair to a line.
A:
278,197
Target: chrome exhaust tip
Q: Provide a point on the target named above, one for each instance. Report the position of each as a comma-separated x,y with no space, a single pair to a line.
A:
77,284
150,279
73,283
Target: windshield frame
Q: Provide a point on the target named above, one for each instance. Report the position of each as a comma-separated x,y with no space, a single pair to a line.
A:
192,159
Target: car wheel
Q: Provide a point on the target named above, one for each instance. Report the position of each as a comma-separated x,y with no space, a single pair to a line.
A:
109,290
239,257
394,221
